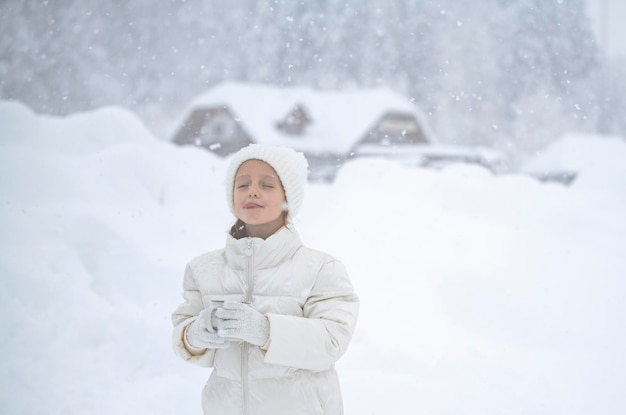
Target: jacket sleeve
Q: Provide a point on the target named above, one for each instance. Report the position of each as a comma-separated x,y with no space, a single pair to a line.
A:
317,340
183,316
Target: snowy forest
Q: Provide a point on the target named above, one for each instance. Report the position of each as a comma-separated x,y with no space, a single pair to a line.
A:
482,292
511,74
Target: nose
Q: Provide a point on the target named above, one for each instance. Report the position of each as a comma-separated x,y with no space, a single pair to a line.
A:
253,192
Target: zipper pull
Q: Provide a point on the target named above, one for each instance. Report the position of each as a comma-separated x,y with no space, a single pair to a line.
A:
248,251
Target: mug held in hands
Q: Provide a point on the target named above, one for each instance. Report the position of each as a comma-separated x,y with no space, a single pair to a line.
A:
241,321
200,334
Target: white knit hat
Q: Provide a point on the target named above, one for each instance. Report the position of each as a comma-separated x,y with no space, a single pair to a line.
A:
291,167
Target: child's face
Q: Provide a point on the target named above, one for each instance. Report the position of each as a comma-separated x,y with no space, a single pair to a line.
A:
259,198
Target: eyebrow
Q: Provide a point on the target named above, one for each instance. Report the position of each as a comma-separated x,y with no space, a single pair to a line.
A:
264,176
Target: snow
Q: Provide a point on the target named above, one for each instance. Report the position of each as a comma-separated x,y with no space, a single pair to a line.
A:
607,18
579,152
340,118
481,293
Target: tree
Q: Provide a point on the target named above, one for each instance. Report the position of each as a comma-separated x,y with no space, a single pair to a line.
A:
476,68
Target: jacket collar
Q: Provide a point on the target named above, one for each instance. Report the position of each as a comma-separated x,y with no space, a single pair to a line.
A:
266,253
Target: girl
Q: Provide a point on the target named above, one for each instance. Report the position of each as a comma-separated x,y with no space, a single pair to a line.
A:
269,315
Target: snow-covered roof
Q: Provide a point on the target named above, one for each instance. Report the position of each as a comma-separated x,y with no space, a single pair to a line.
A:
578,152
339,118
436,154
438,150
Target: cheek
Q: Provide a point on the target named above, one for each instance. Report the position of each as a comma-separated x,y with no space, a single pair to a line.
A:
280,200
238,198
281,196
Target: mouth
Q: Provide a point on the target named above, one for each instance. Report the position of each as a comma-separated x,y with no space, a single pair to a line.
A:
252,206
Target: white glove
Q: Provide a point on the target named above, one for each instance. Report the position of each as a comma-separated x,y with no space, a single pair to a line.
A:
201,335
241,321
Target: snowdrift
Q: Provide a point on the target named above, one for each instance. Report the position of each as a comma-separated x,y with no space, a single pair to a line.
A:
481,294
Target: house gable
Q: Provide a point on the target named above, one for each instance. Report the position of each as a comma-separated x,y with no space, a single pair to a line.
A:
295,122
395,128
214,128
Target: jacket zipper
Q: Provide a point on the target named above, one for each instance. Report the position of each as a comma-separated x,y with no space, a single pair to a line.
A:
245,346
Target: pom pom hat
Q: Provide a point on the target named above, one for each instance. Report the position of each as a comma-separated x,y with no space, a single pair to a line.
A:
290,165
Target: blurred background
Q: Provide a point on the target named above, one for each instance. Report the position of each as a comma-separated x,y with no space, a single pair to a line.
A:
508,74
497,293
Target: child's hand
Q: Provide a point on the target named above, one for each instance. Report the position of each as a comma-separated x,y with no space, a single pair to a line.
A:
199,333
241,321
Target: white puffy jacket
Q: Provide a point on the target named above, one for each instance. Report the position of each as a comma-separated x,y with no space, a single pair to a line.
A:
312,309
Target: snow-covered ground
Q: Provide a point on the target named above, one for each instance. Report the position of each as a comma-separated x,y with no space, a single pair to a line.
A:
481,294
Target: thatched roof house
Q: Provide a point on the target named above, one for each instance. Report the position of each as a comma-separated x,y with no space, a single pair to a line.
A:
328,127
